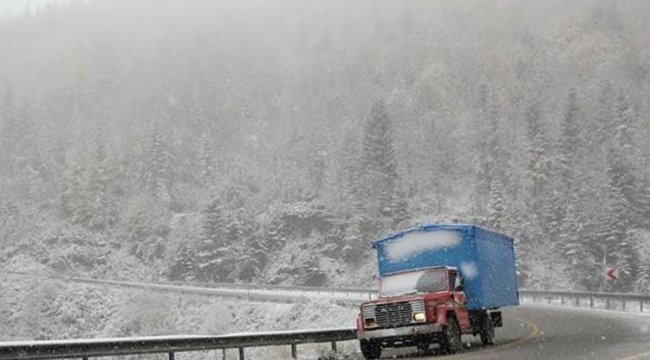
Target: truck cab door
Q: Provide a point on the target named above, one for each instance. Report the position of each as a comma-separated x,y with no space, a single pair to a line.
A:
462,314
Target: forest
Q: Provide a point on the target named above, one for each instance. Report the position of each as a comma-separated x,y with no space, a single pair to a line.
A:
269,142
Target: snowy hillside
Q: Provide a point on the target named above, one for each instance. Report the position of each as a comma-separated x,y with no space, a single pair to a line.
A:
269,142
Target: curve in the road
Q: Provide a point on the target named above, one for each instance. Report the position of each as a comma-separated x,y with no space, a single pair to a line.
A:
534,332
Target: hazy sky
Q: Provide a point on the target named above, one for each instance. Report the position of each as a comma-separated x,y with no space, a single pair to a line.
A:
17,7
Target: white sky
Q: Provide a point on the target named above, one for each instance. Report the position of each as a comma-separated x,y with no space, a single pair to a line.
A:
17,7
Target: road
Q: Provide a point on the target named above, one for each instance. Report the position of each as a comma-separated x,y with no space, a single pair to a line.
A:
539,332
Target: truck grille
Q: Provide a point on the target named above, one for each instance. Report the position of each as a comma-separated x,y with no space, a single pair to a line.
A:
393,314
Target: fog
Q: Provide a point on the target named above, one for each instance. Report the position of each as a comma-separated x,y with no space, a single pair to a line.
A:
271,141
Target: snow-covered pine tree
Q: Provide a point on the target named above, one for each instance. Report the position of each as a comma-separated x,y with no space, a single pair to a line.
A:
100,206
642,246
156,165
483,162
344,186
213,242
207,165
637,195
496,206
564,206
538,170
380,179
183,265
495,170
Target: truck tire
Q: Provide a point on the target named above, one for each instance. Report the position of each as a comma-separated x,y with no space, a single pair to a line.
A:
370,350
450,342
423,347
486,329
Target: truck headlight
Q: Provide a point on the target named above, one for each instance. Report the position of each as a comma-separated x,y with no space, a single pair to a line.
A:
371,323
419,316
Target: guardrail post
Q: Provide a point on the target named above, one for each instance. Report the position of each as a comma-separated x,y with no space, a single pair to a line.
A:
85,358
334,346
624,304
294,351
641,305
171,355
591,301
562,299
241,354
223,354
578,300
607,303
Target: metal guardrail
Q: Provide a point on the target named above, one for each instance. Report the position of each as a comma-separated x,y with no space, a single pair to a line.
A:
345,296
271,293
278,287
581,299
86,348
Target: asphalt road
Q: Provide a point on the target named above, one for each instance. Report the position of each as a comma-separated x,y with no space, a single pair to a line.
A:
552,333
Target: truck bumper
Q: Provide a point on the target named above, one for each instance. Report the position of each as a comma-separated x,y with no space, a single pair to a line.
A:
401,333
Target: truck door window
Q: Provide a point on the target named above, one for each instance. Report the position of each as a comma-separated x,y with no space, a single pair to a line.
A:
452,281
459,283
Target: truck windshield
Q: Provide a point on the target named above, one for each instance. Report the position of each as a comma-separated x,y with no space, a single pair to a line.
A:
414,282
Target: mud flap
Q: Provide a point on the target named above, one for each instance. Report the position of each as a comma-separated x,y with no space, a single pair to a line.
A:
497,320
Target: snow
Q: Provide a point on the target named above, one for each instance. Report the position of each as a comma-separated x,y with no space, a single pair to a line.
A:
400,283
138,313
468,269
408,282
417,242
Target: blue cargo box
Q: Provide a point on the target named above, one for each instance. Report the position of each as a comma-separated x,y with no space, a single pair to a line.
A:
485,259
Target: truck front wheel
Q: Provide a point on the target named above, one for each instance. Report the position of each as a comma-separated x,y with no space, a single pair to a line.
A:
370,350
450,342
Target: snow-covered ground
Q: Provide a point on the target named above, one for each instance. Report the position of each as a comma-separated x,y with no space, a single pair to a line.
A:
37,308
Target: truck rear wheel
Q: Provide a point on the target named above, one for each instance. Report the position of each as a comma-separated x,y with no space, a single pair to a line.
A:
450,342
370,350
486,330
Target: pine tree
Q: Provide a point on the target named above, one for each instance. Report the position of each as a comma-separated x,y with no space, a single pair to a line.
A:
183,265
620,211
156,166
101,208
207,162
565,205
642,244
496,207
637,196
615,234
379,167
213,240
495,170
538,167
569,144
484,163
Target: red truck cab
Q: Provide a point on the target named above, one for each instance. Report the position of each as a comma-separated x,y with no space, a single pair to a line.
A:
420,307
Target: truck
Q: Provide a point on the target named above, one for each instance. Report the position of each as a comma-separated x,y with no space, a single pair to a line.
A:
437,282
